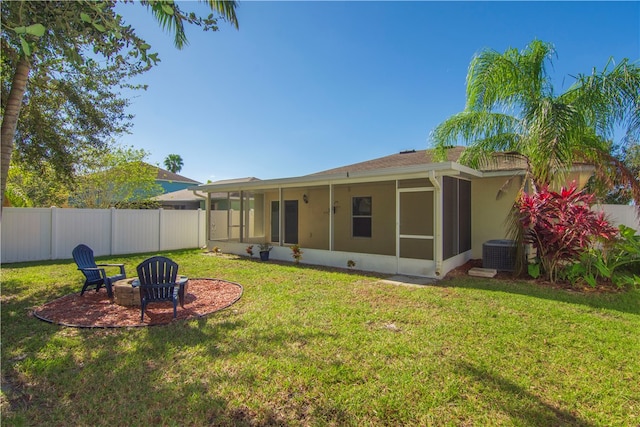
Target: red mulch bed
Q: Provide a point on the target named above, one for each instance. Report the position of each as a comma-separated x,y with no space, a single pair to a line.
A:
96,310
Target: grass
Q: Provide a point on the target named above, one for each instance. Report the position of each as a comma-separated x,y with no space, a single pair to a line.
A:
312,346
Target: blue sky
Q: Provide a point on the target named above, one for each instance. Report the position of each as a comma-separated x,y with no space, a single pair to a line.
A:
307,86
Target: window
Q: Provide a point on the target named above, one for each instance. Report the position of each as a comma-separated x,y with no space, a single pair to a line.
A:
361,216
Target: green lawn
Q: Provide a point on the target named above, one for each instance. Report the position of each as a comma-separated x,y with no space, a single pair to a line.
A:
311,346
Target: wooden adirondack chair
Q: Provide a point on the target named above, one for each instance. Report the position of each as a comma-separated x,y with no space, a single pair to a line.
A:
158,276
95,274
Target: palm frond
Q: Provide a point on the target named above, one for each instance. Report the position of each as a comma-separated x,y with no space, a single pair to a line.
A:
471,126
504,188
493,152
169,18
610,97
226,9
613,171
532,65
508,79
491,79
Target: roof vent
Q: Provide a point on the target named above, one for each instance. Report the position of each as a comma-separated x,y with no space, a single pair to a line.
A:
407,151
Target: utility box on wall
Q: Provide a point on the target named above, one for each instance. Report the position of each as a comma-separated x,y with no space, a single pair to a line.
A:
499,254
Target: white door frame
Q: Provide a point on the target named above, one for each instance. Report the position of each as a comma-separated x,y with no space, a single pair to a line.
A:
410,266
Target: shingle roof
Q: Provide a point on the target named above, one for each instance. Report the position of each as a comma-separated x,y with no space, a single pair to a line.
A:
500,162
165,175
404,158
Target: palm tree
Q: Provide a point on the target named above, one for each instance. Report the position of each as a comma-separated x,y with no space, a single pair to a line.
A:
511,107
174,163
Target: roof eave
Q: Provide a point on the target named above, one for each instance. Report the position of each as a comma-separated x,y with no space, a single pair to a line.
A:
511,172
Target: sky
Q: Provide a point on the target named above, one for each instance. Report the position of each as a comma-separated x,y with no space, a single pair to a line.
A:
303,87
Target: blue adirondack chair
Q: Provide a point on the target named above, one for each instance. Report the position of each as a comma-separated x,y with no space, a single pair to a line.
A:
158,276
95,274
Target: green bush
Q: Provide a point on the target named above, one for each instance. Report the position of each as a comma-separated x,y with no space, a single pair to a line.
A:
617,261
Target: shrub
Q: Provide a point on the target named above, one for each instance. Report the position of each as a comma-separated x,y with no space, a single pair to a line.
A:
560,226
617,262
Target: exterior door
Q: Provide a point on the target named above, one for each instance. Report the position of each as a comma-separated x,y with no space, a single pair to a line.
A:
291,221
416,231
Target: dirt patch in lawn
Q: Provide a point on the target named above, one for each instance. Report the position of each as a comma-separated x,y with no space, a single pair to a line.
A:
96,310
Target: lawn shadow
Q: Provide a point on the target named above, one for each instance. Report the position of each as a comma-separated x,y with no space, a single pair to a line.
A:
522,406
625,301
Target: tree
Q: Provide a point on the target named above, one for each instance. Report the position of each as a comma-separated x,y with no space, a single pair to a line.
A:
83,53
28,187
609,189
117,178
174,163
511,107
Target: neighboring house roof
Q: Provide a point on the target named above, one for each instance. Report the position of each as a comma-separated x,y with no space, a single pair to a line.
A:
183,195
165,175
187,195
236,180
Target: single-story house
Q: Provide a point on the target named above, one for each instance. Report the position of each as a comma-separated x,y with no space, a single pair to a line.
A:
399,214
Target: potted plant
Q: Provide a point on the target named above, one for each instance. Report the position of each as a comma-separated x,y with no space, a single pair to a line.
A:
250,251
265,248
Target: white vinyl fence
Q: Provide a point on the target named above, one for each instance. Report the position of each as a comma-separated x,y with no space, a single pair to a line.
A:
621,214
35,234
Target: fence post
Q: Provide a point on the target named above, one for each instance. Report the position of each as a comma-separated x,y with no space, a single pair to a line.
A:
53,252
199,231
160,227
112,243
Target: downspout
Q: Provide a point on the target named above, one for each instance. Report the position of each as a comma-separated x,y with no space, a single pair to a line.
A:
437,203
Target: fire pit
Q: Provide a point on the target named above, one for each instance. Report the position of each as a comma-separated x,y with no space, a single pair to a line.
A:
126,291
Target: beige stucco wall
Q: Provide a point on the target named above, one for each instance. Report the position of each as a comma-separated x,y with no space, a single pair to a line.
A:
313,217
383,226
580,178
488,215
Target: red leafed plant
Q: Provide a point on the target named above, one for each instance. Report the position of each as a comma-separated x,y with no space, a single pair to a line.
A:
561,226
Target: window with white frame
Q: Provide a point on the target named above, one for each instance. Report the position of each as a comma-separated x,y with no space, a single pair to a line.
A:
361,216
